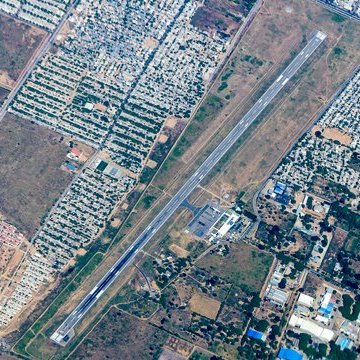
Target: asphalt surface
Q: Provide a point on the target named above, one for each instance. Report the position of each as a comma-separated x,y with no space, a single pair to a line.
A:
338,10
62,335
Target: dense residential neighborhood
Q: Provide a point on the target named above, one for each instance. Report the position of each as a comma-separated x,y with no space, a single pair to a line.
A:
44,13
331,148
83,91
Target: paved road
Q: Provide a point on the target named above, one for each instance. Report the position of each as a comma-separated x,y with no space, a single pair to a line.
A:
62,335
338,10
35,59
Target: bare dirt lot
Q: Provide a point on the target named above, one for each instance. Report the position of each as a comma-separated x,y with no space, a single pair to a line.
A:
120,336
18,41
6,254
204,305
336,134
30,176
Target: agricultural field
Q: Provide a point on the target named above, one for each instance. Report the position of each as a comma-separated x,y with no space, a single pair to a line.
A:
18,42
205,306
30,175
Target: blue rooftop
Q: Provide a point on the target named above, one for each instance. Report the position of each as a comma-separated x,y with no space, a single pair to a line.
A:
71,167
283,199
255,334
344,342
279,188
281,185
289,354
327,310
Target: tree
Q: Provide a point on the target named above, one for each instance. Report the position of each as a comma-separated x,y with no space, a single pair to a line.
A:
322,350
262,325
349,310
337,354
282,283
275,330
304,340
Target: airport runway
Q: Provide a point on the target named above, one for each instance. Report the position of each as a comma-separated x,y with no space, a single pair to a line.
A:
63,333
339,10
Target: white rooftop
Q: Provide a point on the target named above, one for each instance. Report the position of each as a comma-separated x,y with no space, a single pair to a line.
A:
312,328
305,300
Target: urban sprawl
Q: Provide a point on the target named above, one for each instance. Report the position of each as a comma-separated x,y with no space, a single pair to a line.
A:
118,72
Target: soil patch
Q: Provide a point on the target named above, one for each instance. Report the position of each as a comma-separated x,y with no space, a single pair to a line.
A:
30,176
204,305
115,332
336,134
18,41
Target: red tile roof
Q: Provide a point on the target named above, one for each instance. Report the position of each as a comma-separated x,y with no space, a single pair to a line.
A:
76,152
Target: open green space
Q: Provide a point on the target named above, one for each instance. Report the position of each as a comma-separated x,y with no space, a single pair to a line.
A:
245,266
112,336
205,114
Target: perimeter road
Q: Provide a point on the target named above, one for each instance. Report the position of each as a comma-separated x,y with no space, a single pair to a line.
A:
65,331
339,10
